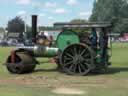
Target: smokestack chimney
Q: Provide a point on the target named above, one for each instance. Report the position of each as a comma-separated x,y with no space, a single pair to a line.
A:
34,28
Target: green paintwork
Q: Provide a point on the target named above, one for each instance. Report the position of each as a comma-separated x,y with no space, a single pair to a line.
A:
98,59
66,38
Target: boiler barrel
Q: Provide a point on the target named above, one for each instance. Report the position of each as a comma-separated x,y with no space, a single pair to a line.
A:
41,51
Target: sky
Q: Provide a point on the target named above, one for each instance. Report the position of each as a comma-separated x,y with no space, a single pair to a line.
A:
48,11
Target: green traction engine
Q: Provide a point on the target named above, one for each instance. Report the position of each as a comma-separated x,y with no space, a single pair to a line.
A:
75,54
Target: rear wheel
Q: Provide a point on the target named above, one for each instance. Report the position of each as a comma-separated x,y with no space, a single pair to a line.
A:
77,59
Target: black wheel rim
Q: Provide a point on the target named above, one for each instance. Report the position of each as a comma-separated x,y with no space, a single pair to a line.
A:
77,59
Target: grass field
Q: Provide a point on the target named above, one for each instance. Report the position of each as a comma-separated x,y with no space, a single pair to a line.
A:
46,81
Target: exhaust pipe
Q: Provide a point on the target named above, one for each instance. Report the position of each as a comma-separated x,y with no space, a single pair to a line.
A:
34,28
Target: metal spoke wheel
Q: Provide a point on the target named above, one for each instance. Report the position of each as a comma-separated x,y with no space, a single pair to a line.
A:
22,63
77,59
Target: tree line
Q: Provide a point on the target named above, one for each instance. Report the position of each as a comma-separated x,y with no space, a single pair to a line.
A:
114,11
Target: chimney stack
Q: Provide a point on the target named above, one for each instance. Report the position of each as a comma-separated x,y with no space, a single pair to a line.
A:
34,28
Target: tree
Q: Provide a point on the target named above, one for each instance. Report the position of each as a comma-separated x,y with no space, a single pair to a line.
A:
16,25
114,11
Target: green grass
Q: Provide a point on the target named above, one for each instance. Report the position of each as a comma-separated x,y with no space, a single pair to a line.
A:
120,54
46,78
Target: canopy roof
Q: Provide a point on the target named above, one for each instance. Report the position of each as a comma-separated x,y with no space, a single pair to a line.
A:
83,25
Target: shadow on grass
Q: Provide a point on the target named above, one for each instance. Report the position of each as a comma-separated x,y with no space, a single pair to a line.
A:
45,70
111,70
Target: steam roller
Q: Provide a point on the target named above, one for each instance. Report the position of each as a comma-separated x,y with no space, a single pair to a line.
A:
73,58
73,55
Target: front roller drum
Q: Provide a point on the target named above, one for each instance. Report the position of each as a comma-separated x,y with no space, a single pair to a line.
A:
77,59
20,62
